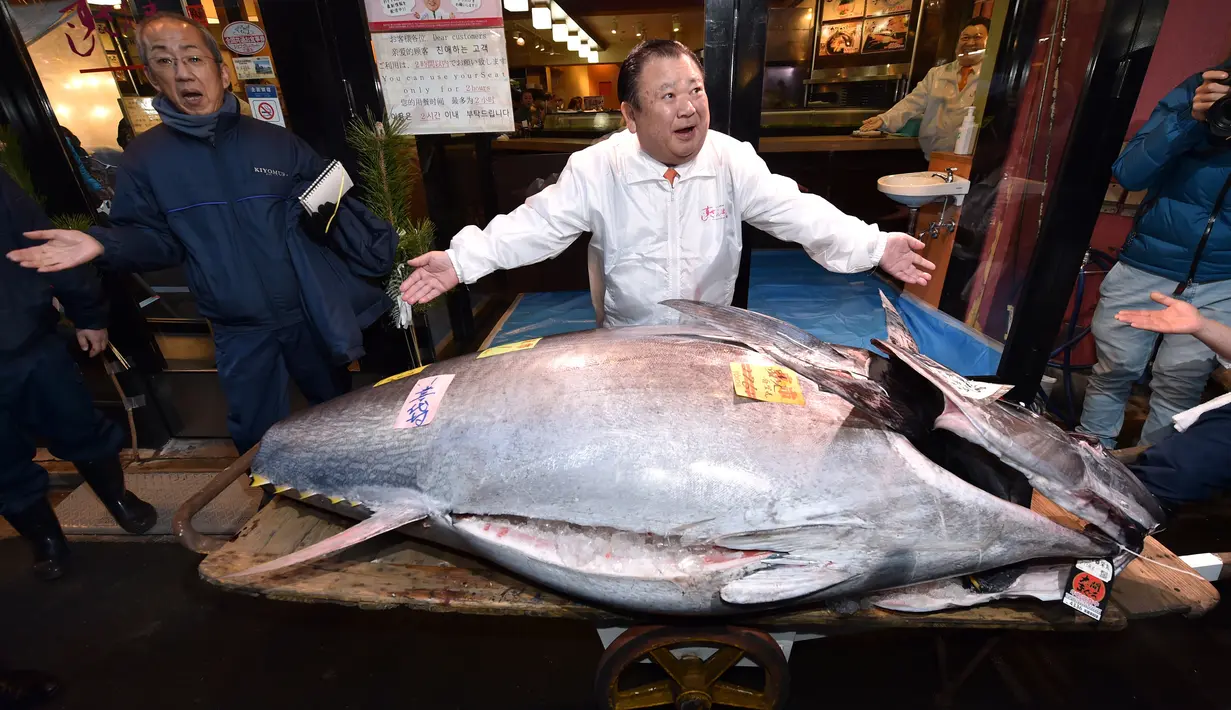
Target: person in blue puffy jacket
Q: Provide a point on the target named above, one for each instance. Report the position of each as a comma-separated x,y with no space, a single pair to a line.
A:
218,192
1180,245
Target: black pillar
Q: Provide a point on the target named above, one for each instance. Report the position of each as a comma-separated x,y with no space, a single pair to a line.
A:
1113,80
734,74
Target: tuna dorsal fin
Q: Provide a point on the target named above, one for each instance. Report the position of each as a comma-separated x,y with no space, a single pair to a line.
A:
782,583
834,369
380,522
770,336
896,327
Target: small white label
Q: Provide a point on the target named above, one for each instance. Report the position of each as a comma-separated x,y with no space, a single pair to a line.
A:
1083,605
967,388
1099,568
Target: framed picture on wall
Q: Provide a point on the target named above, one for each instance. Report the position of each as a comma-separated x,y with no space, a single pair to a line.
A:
876,8
885,34
843,9
839,38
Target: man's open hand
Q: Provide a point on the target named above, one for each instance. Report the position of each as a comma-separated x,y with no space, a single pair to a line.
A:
1178,316
433,275
901,262
64,249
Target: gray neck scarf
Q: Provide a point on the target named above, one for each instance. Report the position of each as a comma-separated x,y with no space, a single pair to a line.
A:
198,126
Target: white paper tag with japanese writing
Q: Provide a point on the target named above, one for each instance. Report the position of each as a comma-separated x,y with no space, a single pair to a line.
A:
1099,568
967,388
423,402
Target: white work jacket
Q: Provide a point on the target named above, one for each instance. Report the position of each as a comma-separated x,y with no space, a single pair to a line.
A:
651,240
941,105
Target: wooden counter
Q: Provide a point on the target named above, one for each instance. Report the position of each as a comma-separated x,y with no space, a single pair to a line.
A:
771,144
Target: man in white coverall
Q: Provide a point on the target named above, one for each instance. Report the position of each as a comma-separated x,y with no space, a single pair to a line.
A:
664,202
943,96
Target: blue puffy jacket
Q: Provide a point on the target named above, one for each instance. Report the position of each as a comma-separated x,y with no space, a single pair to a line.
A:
1183,167
228,211
26,313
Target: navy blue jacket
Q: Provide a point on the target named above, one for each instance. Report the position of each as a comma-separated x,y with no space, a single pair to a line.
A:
227,209
26,313
1183,167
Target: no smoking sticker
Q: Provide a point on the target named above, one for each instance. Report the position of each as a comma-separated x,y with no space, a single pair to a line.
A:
266,106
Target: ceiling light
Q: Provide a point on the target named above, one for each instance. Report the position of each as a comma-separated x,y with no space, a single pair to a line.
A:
540,15
572,26
593,58
521,41
675,23
557,12
615,29
517,5
559,32
574,42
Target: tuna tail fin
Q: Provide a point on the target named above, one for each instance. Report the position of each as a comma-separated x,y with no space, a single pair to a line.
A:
895,327
382,521
836,369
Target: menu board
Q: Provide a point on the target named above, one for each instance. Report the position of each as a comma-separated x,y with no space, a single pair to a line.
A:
411,15
864,26
139,110
448,81
842,10
840,38
885,34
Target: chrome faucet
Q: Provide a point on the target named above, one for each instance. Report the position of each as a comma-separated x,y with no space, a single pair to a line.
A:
948,176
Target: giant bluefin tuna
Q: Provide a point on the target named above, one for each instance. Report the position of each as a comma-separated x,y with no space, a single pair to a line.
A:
620,466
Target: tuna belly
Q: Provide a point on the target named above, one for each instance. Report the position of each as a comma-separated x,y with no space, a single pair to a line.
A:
633,571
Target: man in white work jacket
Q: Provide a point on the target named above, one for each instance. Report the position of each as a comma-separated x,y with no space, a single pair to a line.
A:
664,202
943,96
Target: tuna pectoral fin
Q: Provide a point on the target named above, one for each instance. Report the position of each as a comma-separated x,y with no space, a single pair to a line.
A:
382,521
895,327
779,584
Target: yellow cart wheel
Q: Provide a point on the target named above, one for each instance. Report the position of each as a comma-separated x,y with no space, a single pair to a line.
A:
691,681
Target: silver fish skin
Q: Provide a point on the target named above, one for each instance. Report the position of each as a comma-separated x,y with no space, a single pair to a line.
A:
619,466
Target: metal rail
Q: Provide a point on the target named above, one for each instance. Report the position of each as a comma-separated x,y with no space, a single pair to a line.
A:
181,525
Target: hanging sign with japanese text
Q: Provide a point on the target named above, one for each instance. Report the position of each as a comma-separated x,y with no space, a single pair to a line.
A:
243,37
447,81
413,15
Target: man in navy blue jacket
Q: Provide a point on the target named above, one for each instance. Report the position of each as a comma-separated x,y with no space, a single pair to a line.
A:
1181,238
42,392
217,192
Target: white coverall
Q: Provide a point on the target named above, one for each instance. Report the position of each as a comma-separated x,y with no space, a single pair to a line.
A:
940,103
652,241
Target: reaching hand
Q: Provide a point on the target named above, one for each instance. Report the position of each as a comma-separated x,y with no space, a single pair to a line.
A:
1177,317
1211,90
92,341
433,275
872,124
65,248
901,262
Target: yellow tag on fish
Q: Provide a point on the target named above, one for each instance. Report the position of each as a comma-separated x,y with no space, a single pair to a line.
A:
509,348
768,383
406,374
335,499
281,489
258,481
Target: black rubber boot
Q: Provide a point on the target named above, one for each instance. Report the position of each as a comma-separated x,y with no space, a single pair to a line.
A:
39,526
25,689
106,477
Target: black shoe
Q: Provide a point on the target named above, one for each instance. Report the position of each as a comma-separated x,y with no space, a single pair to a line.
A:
39,526
25,689
106,477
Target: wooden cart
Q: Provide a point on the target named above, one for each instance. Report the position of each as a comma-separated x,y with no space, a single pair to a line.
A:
396,571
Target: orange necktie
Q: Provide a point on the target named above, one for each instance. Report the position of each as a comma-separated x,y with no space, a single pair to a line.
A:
965,75
671,175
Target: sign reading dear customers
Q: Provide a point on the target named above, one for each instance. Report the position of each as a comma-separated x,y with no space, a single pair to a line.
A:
443,64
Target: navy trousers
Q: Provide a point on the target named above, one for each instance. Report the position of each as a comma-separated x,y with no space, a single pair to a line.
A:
1192,465
43,393
256,367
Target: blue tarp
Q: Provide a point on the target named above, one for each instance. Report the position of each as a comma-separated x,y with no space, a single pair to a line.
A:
786,284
